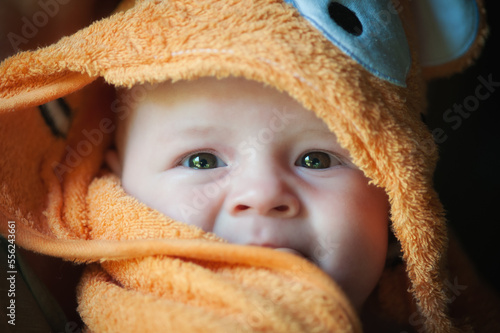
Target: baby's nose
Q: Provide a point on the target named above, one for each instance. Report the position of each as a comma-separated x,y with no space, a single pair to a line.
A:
272,198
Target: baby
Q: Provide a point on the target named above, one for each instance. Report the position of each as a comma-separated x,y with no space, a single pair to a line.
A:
251,165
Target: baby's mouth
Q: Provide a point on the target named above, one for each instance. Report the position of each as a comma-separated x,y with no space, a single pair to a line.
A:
289,250
285,249
297,253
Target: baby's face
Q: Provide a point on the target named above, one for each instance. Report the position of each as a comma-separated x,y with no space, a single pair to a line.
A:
251,165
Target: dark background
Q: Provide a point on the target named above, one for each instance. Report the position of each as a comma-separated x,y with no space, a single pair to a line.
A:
468,174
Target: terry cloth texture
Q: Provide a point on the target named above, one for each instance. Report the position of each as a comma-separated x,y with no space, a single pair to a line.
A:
145,264
207,285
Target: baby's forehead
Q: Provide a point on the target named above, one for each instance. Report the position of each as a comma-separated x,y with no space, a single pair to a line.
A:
217,102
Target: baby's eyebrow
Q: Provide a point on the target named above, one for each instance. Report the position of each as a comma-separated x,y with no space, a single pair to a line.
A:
197,131
323,133
217,130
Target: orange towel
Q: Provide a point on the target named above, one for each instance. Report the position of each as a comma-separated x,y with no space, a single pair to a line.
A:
204,284
151,273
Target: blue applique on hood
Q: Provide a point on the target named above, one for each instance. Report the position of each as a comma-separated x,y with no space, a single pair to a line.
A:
368,31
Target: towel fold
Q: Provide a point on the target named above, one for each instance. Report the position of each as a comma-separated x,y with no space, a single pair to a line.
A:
202,283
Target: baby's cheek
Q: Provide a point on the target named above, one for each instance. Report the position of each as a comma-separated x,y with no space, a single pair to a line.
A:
188,205
353,231
357,263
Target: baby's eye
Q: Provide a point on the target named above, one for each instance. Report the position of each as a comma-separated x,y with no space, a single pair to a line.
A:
318,160
203,161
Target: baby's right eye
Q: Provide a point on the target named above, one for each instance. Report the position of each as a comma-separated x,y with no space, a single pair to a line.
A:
202,160
318,160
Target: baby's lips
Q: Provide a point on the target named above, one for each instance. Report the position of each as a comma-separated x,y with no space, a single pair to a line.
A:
282,249
286,249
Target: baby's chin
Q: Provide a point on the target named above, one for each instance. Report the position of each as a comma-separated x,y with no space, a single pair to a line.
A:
352,295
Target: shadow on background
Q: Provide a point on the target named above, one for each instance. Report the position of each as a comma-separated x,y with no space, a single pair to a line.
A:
468,173
30,24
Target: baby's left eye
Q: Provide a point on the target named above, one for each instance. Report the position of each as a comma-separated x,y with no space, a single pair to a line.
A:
318,160
203,161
